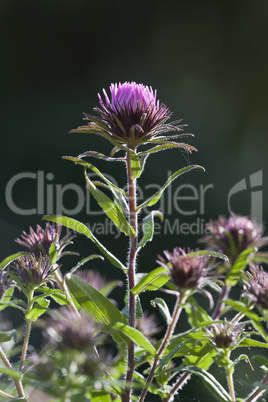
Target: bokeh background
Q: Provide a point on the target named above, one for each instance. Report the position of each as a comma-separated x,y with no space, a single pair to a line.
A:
208,60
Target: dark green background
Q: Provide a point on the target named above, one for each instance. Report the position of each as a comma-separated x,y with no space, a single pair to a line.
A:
207,59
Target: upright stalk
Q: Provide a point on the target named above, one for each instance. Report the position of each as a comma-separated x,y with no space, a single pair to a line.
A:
170,330
17,382
27,330
133,246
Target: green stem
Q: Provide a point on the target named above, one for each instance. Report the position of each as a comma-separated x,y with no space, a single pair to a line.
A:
27,330
170,330
18,383
133,248
230,379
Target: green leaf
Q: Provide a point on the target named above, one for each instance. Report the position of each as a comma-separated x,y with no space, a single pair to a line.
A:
255,319
6,336
58,295
38,309
95,170
166,360
169,145
111,209
248,342
148,227
163,308
152,281
135,166
239,266
100,396
200,253
98,307
11,258
210,382
196,314
83,229
136,336
11,373
84,260
259,257
156,196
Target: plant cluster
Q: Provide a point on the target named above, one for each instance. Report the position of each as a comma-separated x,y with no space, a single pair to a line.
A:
91,350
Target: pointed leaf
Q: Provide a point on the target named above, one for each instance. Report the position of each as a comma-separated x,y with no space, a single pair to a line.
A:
135,166
163,308
169,145
83,229
211,383
11,258
110,208
84,260
148,227
38,309
98,307
5,336
239,265
156,196
152,281
95,170
135,336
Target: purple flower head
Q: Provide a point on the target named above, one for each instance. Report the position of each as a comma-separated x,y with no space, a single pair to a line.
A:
233,235
68,330
31,272
257,286
188,270
132,116
45,241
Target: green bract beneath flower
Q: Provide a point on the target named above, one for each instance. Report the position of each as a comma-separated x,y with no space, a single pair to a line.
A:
31,273
225,335
133,116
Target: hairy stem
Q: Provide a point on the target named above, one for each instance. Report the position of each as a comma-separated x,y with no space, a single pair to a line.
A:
133,246
18,383
63,285
219,307
170,330
230,380
27,330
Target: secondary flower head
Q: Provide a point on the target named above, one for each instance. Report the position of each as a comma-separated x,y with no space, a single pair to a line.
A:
225,335
31,272
188,270
257,286
131,116
45,241
68,330
233,235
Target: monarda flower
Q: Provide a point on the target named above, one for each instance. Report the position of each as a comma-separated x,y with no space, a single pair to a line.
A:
132,116
45,241
257,286
233,235
188,270
30,272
